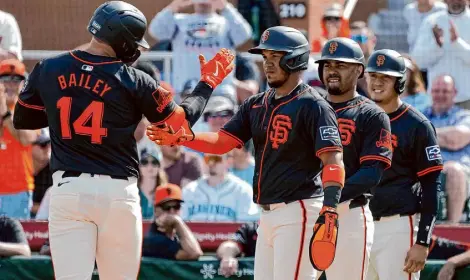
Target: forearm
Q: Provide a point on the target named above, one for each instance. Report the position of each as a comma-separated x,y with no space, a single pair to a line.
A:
25,137
245,89
240,29
363,180
213,143
195,103
461,259
430,184
228,249
14,249
189,243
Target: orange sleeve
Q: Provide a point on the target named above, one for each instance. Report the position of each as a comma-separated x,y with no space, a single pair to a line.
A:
213,143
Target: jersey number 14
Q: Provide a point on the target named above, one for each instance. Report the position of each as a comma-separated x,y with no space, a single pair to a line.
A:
94,111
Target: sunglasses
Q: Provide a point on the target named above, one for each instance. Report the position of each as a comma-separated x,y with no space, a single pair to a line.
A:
154,162
361,39
13,78
212,158
222,114
331,19
168,207
43,144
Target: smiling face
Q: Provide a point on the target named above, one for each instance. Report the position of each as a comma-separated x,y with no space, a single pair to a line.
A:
340,77
275,75
381,87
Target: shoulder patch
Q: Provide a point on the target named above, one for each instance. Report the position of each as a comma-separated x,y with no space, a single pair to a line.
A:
433,152
329,133
162,97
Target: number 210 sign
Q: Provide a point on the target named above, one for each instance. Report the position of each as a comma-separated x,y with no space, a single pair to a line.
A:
292,10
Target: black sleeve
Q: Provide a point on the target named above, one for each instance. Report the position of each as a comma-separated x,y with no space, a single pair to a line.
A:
239,125
323,127
11,231
195,103
367,177
243,236
160,247
443,249
29,111
429,166
377,145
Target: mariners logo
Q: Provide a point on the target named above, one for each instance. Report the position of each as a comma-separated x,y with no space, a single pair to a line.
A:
329,133
280,130
333,47
265,36
380,60
433,153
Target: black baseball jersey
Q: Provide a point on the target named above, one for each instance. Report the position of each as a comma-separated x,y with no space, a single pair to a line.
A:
415,154
365,136
93,105
246,237
288,134
443,248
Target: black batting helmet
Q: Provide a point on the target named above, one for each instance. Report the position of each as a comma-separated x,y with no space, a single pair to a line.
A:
288,40
391,63
341,49
122,26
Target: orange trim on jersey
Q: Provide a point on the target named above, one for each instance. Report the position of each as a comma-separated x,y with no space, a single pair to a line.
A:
256,106
350,106
433,243
429,170
35,107
240,142
380,158
365,243
302,239
94,63
328,149
401,114
167,117
267,137
411,238
266,105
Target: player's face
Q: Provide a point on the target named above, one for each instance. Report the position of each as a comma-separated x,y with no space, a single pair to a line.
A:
170,207
217,120
275,76
381,87
456,6
217,165
340,77
149,167
171,153
443,93
12,89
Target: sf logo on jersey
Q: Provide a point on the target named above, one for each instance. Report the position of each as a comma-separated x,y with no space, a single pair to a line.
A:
279,134
347,129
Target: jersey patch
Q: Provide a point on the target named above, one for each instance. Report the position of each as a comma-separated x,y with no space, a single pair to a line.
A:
433,152
162,97
347,128
87,68
279,134
385,140
329,133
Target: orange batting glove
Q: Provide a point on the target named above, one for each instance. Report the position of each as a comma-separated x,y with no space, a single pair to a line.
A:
214,71
323,242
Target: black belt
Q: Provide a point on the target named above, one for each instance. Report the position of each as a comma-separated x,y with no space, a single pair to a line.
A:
378,218
68,174
358,202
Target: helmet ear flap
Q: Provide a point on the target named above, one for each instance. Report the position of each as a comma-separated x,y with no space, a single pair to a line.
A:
400,84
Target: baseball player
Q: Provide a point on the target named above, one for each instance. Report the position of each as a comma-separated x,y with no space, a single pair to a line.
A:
295,133
399,202
366,138
92,102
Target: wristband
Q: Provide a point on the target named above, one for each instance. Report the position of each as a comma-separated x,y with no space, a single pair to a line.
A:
333,173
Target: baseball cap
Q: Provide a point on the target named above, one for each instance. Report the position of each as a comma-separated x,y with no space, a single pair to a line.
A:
335,10
168,192
149,152
12,67
219,103
226,91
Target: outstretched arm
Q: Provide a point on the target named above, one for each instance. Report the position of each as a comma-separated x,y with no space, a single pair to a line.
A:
214,143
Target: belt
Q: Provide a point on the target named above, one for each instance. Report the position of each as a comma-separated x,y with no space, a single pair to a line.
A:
378,218
68,174
269,207
358,202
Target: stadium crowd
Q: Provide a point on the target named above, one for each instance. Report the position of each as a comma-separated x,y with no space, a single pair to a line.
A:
178,185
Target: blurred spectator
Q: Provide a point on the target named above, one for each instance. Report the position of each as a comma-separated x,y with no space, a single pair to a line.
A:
243,163
204,32
42,173
218,112
220,196
414,14
453,133
364,36
151,176
443,46
16,170
261,14
333,24
10,37
169,237
415,93
242,245
13,240
148,68
247,78
180,166
447,271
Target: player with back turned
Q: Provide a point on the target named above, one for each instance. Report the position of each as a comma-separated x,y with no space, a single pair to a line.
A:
399,201
92,102
366,139
295,133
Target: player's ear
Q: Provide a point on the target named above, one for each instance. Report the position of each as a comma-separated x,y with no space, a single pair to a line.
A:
359,69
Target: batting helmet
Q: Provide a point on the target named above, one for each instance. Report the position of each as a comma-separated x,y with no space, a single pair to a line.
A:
391,63
122,26
341,49
288,40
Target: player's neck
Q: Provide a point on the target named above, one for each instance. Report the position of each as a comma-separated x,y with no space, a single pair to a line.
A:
216,180
391,106
287,88
343,97
100,49
425,7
